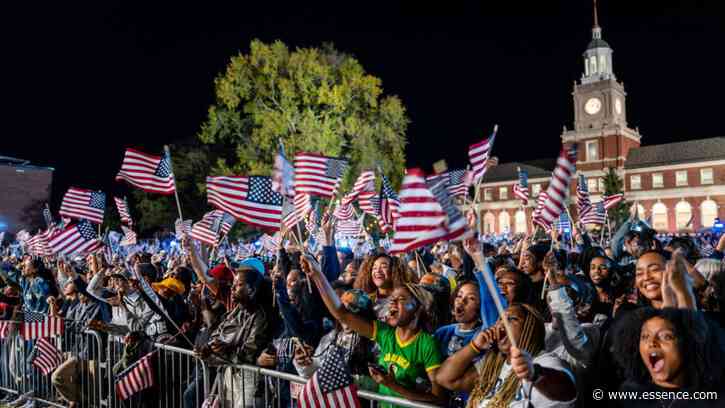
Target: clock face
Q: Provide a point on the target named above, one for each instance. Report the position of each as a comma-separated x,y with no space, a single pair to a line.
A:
593,106
618,106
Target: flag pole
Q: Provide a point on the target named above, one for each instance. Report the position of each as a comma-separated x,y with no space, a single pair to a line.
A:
176,191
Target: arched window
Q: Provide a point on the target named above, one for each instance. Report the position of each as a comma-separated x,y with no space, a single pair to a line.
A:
520,219
603,63
593,63
708,213
683,214
659,217
504,222
489,223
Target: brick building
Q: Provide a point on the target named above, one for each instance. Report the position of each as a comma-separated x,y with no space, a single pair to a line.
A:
24,190
672,183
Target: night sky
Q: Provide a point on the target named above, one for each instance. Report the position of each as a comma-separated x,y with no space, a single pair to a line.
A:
83,82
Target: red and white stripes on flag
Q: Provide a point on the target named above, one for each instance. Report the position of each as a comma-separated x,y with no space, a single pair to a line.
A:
389,205
536,218
38,325
343,211
38,245
270,242
297,210
583,202
147,172
207,229
479,153
138,377
559,184
84,204
46,356
129,237
422,219
349,228
123,212
249,199
331,386
318,175
365,182
182,227
612,200
79,238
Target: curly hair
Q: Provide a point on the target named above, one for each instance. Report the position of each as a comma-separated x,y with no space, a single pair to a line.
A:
399,272
697,342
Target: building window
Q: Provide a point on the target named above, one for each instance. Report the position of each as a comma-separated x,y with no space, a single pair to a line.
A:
487,194
602,63
659,217
657,180
593,63
641,212
592,185
600,185
706,176
521,224
635,182
535,189
683,215
681,178
504,222
503,193
592,150
489,223
708,210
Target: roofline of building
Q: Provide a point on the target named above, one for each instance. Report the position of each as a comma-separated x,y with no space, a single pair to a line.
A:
27,166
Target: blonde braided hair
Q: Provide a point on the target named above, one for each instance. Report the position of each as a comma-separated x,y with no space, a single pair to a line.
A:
531,340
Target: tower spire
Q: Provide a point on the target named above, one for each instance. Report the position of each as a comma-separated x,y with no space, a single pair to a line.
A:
596,29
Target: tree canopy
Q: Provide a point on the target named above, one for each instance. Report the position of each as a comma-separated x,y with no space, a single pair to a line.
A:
312,99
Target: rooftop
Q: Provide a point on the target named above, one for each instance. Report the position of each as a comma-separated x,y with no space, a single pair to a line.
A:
676,153
15,162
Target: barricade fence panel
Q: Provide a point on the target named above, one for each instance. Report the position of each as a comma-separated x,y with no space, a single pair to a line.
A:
90,362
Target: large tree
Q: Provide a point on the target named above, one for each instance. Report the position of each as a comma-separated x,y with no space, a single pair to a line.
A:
613,184
314,99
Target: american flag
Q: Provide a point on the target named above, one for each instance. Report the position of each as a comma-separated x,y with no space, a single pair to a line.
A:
455,221
182,227
479,153
249,199
343,211
389,206
312,222
123,212
296,211
563,223
270,242
423,219
521,189
137,377
38,245
46,356
369,202
129,237
208,229
583,203
349,228
331,386
79,238
283,174
612,200
38,325
365,182
457,186
147,172
559,184
84,204
318,175
597,214
537,219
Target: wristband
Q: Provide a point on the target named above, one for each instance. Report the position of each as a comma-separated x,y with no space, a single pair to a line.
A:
473,346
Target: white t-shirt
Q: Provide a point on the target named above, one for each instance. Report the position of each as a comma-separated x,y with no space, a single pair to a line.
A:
537,399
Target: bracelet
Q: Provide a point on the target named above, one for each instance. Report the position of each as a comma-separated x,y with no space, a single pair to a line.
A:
473,346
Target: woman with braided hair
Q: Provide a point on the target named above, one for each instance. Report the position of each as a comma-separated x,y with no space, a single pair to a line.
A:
508,376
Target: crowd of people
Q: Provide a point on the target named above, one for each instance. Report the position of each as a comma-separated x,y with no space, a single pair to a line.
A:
642,313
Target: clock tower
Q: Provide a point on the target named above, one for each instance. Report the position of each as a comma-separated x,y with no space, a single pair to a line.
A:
600,110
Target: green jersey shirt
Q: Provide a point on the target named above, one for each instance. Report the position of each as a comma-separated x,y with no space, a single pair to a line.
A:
410,360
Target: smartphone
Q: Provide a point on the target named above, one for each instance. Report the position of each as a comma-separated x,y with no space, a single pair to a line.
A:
377,367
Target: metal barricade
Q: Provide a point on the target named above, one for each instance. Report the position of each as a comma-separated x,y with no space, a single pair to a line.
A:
238,386
77,378
183,378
